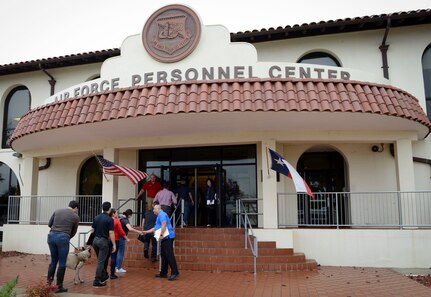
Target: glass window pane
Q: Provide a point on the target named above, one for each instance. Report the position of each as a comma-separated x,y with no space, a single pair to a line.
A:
17,104
90,182
320,58
426,67
196,156
239,154
240,181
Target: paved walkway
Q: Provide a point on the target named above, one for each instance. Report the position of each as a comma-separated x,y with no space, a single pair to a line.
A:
327,281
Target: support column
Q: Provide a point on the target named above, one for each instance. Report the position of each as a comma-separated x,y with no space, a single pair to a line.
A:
110,183
269,187
28,206
404,165
406,182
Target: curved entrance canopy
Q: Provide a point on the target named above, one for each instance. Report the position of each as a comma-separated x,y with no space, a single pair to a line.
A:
245,105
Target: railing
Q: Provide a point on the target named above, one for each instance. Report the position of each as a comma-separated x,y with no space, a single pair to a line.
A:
39,209
243,220
393,209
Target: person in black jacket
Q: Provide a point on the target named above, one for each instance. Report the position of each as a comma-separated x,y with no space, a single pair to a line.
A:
103,228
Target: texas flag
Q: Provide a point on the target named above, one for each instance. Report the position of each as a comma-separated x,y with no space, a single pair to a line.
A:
279,164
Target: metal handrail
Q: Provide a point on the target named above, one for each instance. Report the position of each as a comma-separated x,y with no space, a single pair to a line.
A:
85,237
243,216
119,207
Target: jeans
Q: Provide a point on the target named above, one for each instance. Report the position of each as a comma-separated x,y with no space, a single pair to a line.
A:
58,243
114,258
147,239
121,249
101,247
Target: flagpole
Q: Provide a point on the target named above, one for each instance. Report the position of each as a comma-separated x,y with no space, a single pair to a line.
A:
267,162
100,164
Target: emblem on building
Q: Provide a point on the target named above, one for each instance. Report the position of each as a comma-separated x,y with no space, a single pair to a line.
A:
171,33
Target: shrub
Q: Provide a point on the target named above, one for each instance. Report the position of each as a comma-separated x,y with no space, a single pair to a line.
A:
7,289
41,289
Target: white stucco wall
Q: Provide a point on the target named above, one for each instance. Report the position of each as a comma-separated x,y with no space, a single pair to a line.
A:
363,248
33,238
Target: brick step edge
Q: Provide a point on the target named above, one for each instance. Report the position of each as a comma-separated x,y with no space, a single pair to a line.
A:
310,265
233,252
296,258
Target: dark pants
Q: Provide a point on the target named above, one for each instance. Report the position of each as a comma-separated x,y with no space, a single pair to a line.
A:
168,257
101,247
147,239
114,256
167,209
211,215
187,210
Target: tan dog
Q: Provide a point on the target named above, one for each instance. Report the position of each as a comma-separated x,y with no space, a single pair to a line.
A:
76,260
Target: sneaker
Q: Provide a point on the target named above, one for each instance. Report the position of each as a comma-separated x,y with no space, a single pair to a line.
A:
60,289
208,225
98,285
104,278
174,277
121,270
153,260
113,276
146,254
159,275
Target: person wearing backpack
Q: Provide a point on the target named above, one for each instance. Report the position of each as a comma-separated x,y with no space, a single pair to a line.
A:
125,224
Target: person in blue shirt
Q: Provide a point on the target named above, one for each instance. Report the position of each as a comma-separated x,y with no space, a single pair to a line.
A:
166,243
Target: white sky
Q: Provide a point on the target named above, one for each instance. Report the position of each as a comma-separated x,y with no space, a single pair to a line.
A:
36,29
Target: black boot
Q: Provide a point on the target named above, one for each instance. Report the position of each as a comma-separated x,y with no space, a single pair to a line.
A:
51,273
60,278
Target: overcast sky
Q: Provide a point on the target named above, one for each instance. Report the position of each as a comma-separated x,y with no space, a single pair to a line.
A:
31,29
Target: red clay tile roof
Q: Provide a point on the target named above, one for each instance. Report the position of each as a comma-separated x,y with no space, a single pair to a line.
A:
266,95
398,19
373,22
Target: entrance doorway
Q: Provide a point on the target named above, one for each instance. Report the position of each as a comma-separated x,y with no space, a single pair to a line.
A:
195,178
324,171
232,168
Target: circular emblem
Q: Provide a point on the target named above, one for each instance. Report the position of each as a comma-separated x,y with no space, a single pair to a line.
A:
171,33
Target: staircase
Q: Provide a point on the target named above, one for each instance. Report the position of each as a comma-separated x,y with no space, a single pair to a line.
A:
221,249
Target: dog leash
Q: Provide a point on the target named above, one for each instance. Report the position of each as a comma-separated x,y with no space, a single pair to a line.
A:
73,245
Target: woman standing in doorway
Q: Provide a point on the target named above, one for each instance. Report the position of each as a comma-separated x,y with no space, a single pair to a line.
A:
211,198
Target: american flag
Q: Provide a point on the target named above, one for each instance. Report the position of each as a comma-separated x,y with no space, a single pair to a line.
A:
110,168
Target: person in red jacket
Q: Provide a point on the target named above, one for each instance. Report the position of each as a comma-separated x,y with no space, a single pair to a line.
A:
119,232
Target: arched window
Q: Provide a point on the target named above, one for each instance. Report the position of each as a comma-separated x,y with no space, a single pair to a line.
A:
426,68
90,190
8,186
16,105
319,58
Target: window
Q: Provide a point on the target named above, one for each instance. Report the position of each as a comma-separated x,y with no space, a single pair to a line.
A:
8,186
319,58
16,105
90,190
426,68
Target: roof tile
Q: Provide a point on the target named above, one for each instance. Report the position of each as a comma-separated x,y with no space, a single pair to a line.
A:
306,95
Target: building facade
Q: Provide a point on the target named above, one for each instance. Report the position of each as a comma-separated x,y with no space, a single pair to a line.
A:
344,101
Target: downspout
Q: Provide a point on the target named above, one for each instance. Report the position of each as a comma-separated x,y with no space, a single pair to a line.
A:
415,159
384,50
52,82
